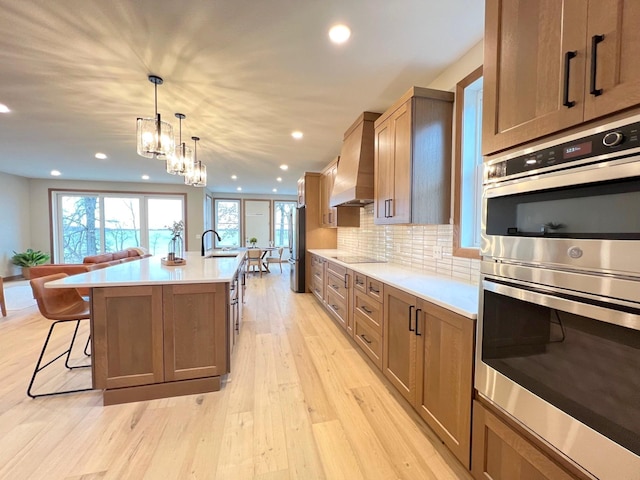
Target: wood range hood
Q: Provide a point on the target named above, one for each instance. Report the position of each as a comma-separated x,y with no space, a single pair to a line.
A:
353,185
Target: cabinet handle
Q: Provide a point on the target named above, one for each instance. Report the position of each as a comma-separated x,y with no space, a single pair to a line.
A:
358,282
365,339
373,290
567,61
411,307
346,280
366,310
417,331
335,287
595,40
386,211
390,207
335,307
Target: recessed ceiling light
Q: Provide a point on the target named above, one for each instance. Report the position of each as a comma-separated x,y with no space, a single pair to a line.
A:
284,167
101,156
145,177
275,190
279,179
4,108
55,173
297,134
339,33
234,177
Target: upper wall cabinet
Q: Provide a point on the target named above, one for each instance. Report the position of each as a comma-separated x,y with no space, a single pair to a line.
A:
553,64
413,159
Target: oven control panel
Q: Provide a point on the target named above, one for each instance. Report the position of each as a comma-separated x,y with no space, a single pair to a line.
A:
620,139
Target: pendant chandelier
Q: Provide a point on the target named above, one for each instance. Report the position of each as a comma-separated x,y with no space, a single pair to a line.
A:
181,160
197,176
155,137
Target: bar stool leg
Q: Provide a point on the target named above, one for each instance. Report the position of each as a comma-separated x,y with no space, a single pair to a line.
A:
3,306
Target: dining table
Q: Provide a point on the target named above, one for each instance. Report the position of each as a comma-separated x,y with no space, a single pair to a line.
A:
265,251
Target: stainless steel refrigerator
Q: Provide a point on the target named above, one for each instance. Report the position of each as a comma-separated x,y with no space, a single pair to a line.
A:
297,249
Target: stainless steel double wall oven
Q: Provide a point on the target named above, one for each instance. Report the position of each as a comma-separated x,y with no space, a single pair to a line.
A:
558,344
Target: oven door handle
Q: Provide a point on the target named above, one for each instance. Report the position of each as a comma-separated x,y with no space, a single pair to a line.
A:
582,304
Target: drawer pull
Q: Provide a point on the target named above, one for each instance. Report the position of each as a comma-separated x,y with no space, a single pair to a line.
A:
366,310
335,307
358,282
373,290
365,338
335,287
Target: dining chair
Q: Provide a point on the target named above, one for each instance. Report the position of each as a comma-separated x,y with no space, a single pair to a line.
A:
3,305
60,305
254,259
277,259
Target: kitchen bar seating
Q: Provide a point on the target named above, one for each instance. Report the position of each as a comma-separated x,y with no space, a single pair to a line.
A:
59,305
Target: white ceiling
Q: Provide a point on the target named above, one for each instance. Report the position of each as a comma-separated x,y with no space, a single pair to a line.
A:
245,72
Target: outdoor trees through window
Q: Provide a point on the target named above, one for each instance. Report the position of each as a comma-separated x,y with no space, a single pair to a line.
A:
88,224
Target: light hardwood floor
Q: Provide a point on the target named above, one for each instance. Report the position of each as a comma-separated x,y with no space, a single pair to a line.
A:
301,403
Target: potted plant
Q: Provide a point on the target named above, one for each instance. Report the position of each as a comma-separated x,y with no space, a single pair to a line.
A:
253,241
30,258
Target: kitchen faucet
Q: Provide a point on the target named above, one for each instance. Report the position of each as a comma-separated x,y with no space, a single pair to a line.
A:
203,235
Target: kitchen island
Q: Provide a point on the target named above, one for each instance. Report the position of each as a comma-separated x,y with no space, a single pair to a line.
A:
159,331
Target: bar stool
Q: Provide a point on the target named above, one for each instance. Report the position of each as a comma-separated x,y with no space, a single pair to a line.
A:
60,305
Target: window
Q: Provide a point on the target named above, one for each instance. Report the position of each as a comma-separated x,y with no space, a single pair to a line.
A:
91,223
281,225
227,223
468,166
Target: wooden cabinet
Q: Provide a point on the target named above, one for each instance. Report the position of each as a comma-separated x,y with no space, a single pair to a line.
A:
338,295
301,192
546,68
412,159
334,216
163,336
194,335
428,357
501,453
318,277
367,317
127,337
444,375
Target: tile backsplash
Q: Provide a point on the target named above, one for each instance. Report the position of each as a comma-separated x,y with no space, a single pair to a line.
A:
408,245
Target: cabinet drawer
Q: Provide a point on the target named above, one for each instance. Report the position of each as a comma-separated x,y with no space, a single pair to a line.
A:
337,286
360,282
338,306
369,310
369,340
375,289
316,272
317,287
337,269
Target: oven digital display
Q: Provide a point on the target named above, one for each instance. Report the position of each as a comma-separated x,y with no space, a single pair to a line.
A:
577,150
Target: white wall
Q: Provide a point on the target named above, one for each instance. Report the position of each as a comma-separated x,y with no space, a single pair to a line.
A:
14,221
462,67
39,215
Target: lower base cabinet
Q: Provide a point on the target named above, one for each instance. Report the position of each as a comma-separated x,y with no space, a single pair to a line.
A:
501,453
428,357
173,336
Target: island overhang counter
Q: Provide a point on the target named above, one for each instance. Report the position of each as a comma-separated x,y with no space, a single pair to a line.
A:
159,331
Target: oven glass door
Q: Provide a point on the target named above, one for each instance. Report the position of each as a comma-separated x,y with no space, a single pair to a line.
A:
564,349
602,210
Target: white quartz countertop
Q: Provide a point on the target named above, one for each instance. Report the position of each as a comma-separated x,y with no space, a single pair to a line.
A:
455,295
150,271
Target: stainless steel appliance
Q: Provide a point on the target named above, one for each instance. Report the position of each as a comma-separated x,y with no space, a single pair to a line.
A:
558,344
297,249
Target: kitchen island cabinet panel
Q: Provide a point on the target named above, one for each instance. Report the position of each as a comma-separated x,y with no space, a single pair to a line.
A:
127,338
194,331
